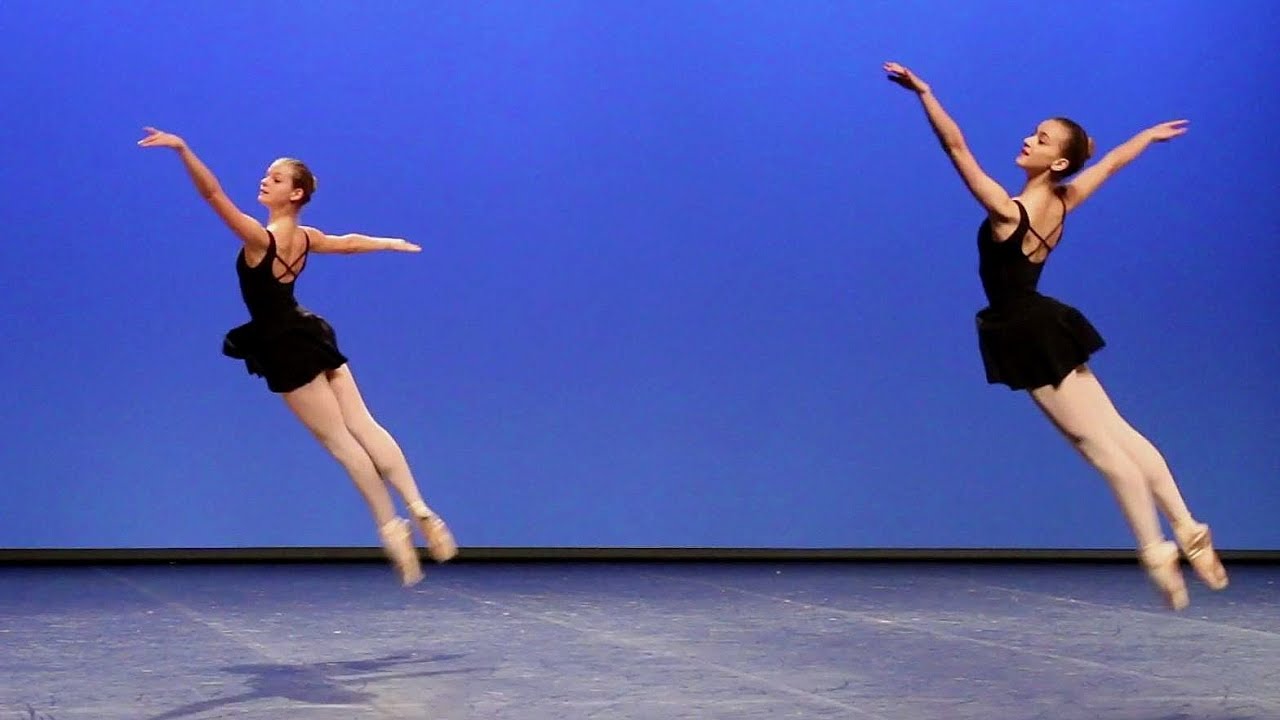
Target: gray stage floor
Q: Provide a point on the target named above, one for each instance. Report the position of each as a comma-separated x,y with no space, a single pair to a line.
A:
537,641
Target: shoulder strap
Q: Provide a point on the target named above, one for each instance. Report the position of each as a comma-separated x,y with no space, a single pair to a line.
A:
292,270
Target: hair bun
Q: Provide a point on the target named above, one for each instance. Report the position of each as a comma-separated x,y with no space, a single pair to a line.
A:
1091,146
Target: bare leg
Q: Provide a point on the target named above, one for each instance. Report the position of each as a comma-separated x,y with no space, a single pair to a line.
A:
1074,409
1076,413
1139,449
317,407
1193,536
389,460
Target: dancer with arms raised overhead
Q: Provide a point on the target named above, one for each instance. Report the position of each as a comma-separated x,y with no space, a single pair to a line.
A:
1032,342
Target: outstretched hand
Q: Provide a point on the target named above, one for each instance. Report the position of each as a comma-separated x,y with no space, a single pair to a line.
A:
405,246
1168,130
159,138
904,77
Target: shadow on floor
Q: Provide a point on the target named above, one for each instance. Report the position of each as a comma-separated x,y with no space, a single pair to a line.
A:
326,683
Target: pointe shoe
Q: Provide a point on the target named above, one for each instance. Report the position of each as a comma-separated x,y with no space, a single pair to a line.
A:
440,543
1197,544
397,541
1164,569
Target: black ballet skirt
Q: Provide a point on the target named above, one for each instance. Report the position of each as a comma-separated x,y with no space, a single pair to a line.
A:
1027,340
283,343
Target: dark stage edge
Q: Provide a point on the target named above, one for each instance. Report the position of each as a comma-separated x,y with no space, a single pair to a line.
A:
99,556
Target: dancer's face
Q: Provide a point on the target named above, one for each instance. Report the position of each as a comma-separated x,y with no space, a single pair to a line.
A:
276,186
1044,149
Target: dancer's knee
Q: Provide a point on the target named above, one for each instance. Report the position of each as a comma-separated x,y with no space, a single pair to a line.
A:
1108,457
342,446
375,439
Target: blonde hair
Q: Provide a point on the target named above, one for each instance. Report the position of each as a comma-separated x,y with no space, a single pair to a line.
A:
303,178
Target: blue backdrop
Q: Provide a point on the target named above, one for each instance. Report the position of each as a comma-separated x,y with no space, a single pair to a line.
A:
694,273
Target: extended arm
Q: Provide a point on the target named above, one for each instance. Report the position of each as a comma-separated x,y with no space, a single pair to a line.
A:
988,192
248,229
1092,177
353,243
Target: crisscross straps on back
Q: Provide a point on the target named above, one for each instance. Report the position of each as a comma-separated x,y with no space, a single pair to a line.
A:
1043,242
291,270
